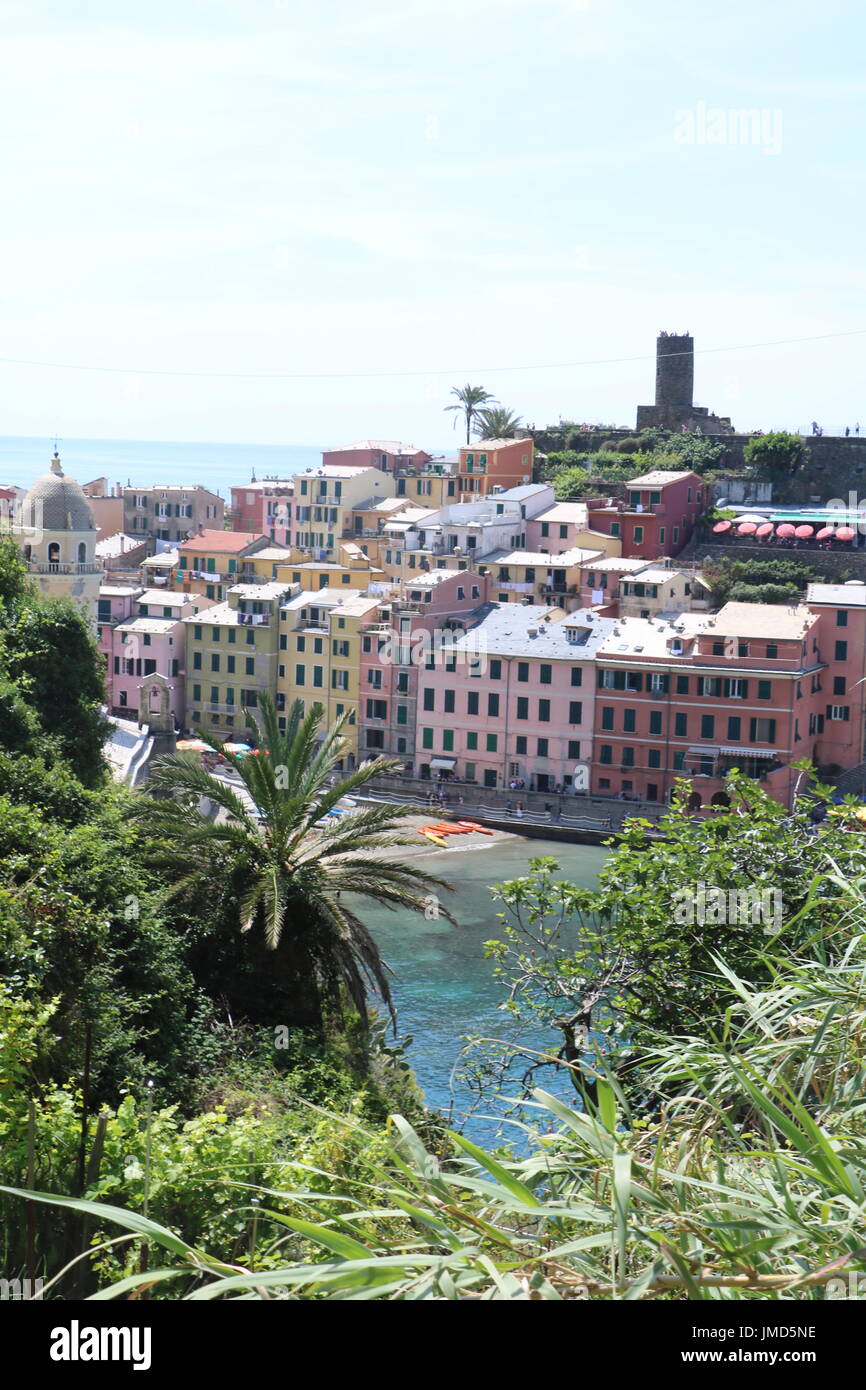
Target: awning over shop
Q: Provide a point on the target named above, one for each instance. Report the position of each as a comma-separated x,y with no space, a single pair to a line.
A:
747,752
444,764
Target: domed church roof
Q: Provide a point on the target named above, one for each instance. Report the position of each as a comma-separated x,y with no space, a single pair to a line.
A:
63,505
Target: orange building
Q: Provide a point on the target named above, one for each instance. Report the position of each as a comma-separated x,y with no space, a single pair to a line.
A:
491,464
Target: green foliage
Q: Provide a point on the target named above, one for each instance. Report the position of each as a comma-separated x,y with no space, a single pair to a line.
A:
470,400
285,873
764,593
724,574
497,422
745,1181
776,453
627,959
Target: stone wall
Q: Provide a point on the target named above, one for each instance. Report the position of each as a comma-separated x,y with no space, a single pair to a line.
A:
834,566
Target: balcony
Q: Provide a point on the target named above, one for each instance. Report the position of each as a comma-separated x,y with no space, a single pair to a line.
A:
254,619
37,567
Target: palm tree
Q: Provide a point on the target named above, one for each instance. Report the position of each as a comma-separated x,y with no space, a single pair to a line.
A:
470,398
497,422
289,865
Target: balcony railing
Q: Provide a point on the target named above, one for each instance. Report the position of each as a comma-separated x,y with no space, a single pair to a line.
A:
37,567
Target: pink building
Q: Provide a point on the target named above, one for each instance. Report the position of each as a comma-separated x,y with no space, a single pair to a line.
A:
656,517
698,695
151,640
395,648
115,604
514,702
264,508
388,454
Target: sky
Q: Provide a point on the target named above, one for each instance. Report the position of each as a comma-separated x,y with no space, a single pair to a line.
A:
304,224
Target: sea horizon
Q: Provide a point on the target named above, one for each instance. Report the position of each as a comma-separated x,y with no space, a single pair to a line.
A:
152,462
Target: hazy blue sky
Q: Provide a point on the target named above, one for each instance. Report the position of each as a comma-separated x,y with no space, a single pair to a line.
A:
444,187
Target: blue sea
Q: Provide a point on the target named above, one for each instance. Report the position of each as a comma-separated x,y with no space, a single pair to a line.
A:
147,463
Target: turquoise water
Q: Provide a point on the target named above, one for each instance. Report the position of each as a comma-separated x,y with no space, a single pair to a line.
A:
444,988
147,463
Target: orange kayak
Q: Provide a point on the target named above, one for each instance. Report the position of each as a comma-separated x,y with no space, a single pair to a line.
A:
472,825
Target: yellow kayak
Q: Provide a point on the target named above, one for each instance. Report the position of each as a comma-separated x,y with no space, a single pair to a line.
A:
437,839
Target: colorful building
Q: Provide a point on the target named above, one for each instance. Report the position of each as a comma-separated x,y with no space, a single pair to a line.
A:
491,463
171,513
513,701
657,515
232,657
211,562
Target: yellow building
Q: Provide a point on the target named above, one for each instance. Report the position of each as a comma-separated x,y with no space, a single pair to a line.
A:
350,569
525,576
320,655
325,500
212,561
232,655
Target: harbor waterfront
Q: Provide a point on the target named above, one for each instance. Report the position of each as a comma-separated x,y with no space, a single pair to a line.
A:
444,988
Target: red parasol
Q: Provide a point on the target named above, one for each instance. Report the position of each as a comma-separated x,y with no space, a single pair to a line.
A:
748,528
785,530
825,533
803,533
844,534
722,526
765,530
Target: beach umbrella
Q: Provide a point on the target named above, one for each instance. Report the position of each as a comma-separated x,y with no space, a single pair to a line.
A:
752,516
844,534
721,526
785,530
824,534
192,745
804,532
239,748
746,528
765,530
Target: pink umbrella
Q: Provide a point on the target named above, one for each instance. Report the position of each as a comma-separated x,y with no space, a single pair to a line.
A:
748,528
722,526
824,534
844,534
765,530
785,530
804,532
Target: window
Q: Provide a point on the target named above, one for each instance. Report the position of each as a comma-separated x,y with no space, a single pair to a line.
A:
576,675
654,757
681,725
522,707
638,537
472,740
492,742
842,617
300,675
492,706
762,730
840,652
544,711
607,714
655,721
545,674
196,661
426,738
605,753
520,746
575,711
449,702
838,712
523,670
682,685
708,725
628,721
377,709
765,690
541,750
737,689
772,651
839,685
429,698
628,757
250,666
734,726
496,670
472,702
448,740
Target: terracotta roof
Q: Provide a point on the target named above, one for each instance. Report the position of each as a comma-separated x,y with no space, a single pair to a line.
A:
229,542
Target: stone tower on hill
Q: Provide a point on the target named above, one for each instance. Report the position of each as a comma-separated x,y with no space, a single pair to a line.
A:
56,533
675,380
